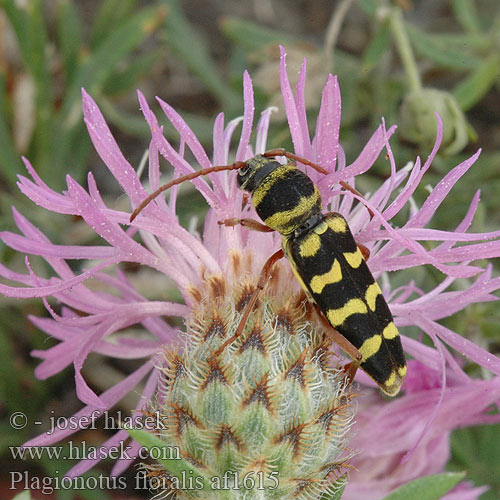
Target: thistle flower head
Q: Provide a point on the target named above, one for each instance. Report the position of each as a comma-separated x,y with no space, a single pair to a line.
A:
268,413
100,319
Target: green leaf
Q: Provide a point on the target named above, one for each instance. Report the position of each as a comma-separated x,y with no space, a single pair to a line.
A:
19,19
10,162
440,50
29,26
118,44
470,90
190,46
460,41
135,125
369,6
427,488
92,75
69,36
122,81
466,13
10,389
174,465
377,47
112,13
476,448
252,36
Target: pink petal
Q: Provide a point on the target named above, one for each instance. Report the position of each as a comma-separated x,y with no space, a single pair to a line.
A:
109,151
110,397
440,192
186,133
44,291
414,180
220,155
306,149
170,154
25,245
111,445
326,140
111,232
262,129
242,152
294,116
462,345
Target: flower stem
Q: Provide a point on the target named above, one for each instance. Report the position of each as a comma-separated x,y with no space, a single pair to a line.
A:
333,30
404,48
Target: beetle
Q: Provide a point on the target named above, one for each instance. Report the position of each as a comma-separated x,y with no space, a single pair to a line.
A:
325,258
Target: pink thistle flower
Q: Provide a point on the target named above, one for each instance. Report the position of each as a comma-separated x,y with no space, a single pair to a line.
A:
399,440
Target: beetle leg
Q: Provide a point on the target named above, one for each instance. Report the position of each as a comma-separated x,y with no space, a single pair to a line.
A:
264,276
335,336
251,224
364,250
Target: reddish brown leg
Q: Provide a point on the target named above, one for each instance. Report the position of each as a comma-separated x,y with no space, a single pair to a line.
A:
264,276
352,367
248,223
364,250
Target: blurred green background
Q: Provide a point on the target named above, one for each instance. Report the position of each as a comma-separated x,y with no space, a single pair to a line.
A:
399,60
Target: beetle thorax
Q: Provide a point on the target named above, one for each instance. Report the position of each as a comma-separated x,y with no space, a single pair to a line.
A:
286,198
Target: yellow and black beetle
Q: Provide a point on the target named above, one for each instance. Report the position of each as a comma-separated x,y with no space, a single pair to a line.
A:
328,263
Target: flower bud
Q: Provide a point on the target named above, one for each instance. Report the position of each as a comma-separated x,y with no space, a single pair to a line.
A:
418,119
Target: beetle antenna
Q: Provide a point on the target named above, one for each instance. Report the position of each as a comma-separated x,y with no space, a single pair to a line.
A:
300,159
204,171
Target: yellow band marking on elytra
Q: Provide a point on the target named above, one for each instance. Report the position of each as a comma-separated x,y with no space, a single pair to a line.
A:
334,275
354,259
268,181
353,306
370,346
390,331
337,224
391,379
310,245
393,383
312,242
281,220
372,292
321,228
